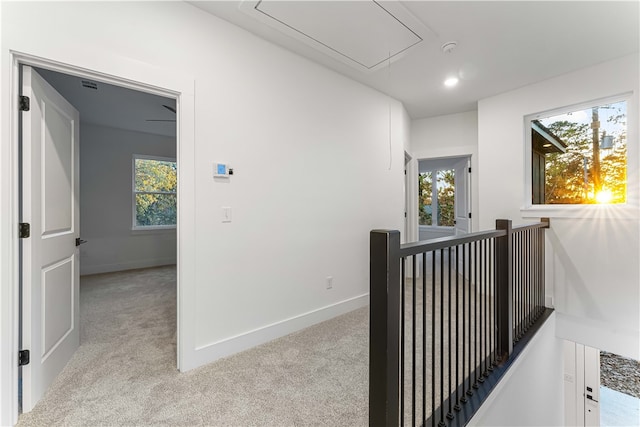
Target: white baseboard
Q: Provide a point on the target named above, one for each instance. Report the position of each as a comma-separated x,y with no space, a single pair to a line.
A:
227,347
121,266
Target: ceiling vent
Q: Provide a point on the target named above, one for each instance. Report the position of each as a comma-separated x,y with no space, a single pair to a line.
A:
366,35
89,85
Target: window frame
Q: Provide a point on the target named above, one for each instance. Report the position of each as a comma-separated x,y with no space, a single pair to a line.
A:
134,226
435,202
628,209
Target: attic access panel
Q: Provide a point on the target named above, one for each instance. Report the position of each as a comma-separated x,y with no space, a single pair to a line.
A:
363,34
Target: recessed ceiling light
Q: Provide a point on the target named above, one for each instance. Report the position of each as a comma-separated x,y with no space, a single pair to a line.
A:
546,145
451,81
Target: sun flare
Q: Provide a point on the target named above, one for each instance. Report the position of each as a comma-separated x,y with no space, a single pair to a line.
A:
604,197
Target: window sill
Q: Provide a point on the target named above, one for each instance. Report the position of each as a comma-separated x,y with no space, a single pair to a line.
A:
153,230
625,211
435,227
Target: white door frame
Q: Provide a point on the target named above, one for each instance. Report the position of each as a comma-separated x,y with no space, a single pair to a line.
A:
468,186
124,72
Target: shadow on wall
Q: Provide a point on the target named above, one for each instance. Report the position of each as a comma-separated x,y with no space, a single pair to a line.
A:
572,280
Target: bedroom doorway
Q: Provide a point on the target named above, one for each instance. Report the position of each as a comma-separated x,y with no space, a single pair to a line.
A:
119,156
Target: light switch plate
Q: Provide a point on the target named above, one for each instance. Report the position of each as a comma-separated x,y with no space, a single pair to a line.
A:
226,214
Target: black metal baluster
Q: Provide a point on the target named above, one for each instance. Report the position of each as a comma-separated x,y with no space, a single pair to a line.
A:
475,315
485,345
537,267
542,278
469,247
523,311
441,423
534,271
463,399
537,255
530,267
424,337
534,275
433,337
450,413
413,347
494,327
482,309
487,312
515,285
516,272
457,405
518,248
525,270
402,328
542,258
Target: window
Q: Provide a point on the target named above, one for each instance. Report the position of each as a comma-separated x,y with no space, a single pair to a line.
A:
154,192
579,155
436,193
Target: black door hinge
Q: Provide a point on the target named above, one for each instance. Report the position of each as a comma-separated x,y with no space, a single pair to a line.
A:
25,103
469,169
23,357
24,230
469,214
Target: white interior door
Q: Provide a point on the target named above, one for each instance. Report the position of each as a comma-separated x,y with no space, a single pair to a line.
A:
50,270
462,195
591,386
581,385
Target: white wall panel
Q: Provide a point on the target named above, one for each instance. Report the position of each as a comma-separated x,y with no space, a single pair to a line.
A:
531,392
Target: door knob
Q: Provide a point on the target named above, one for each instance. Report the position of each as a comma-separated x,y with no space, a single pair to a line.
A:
79,241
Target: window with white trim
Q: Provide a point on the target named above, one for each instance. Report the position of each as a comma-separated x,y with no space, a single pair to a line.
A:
155,183
579,154
436,198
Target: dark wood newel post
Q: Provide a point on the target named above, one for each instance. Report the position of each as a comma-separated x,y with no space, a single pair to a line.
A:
384,328
504,288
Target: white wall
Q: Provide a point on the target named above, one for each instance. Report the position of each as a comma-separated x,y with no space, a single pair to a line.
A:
452,135
531,392
316,167
593,251
106,203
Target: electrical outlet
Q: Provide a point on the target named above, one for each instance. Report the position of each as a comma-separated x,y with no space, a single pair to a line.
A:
329,282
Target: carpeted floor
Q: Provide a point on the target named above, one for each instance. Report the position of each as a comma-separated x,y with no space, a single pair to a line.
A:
124,372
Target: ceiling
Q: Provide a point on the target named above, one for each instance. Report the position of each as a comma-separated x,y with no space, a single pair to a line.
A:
115,106
501,45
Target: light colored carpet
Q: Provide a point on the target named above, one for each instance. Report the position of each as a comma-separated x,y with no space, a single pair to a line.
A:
124,372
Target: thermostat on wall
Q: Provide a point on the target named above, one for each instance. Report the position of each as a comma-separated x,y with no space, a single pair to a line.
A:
222,170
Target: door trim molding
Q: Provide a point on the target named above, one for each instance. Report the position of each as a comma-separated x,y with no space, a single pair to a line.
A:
124,72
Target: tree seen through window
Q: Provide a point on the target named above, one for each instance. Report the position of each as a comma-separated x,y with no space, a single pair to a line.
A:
156,182
580,157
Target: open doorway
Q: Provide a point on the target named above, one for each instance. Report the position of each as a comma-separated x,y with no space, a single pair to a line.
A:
444,201
600,388
619,390
126,220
